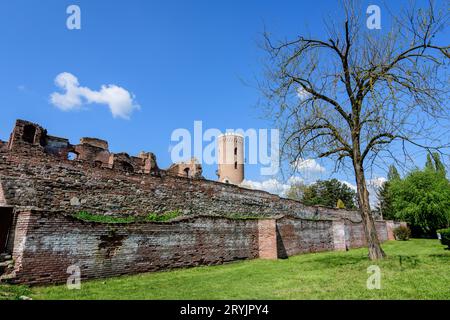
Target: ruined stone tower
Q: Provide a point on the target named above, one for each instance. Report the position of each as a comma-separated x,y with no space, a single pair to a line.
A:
230,156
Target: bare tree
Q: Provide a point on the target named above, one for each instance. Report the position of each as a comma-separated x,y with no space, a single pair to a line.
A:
359,95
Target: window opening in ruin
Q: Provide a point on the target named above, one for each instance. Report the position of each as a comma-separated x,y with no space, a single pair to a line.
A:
186,170
98,164
72,156
29,131
126,167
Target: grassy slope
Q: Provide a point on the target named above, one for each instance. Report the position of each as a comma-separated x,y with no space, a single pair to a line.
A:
424,273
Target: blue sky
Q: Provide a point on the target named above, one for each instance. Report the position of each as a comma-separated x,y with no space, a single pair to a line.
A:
182,60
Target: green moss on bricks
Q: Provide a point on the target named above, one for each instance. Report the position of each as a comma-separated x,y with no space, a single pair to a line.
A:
86,216
151,217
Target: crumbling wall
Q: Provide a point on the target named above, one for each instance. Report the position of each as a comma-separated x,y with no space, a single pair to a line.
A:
188,169
40,181
47,244
73,186
92,150
36,172
31,140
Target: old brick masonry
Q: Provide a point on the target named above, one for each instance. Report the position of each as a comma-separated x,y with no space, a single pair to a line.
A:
41,187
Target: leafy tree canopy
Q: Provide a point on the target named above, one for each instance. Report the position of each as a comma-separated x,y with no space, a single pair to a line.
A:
385,195
328,192
422,199
296,191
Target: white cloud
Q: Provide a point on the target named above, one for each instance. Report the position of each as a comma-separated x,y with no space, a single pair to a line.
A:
348,184
372,186
376,183
120,102
308,166
272,185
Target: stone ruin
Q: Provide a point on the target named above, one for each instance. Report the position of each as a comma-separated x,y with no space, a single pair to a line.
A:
31,139
45,181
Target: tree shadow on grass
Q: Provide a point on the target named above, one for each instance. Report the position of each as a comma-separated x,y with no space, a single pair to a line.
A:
337,261
442,256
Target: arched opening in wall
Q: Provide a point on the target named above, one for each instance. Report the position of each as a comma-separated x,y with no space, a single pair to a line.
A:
29,131
235,151
235,165
186,172
226,181
72,156
125,166
98,164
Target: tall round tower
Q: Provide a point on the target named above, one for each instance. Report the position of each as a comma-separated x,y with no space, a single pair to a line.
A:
230,156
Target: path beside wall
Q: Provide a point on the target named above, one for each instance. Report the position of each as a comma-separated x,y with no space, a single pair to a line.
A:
46,243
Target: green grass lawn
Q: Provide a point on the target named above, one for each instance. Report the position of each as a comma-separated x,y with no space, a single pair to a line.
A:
415,269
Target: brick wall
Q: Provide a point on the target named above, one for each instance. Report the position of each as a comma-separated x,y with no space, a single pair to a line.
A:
73,186
46,243
40,182
267,239
301,236
355,236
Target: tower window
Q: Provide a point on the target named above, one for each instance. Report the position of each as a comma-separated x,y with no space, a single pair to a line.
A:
235,164
235,151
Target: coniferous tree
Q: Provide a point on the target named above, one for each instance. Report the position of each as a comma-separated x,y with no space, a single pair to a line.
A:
385,196
429,164
438,165
393,173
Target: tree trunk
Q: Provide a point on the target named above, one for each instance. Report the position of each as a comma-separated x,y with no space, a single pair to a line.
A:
375,250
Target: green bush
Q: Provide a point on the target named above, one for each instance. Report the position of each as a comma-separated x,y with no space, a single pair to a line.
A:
423,200
402,233
445,236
